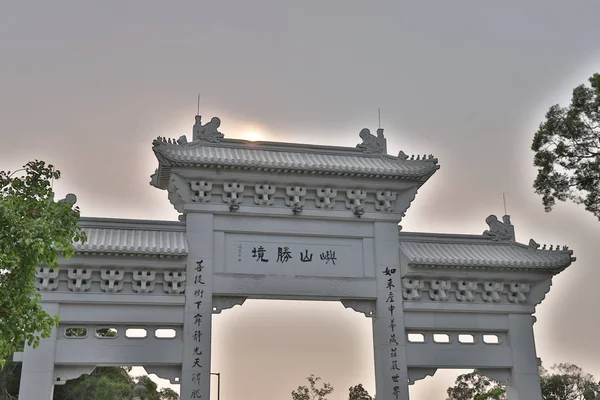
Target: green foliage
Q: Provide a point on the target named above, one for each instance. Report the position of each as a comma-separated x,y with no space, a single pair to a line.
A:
110,383
168,394
34,230
567,151
473,386
359,393
565,382
312,393
568,382
9,380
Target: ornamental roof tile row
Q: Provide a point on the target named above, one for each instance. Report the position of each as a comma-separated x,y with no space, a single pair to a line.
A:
238,154
133,242
503,255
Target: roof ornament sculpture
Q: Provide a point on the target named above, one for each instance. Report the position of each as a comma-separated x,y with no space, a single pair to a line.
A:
69,198
500,230
371,143
208,132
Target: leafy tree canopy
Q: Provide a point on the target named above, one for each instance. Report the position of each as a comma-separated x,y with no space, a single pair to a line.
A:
568,382
34,230
312,392
358,392
567,151
562,382
474,386
104,383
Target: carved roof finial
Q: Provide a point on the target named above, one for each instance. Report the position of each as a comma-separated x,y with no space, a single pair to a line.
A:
371,143
208,132
69,198
533,245
500,230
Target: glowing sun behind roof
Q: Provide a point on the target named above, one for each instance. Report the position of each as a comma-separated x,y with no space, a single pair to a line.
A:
252,134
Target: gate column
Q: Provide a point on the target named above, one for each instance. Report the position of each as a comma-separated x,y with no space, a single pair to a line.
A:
195,379
389,337
37,374
525,379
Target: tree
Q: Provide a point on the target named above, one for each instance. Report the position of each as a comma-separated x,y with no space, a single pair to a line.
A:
474,386
312,393
9,380
359,393
568,382
567,151
565,382
109,383
34,230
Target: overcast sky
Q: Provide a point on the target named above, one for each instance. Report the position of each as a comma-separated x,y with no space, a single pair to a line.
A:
88,86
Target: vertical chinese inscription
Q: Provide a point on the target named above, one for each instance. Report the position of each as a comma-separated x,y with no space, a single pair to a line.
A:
197,312
389,275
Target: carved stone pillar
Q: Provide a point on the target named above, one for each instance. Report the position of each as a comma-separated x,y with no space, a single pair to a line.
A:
195,378
524,381
389,338
37,376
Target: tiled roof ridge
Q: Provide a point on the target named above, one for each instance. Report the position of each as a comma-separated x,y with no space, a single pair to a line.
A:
133,241
474,239
161,143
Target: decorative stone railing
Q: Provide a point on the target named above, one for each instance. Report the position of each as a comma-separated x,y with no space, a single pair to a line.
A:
111,280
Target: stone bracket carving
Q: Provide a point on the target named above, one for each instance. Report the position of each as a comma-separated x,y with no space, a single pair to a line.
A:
64,373
46,278
538,291
174,282
385,200
143,281
180,192
491,291
416,374
516,292
355,199
326,198
469,291
466,290
294,197
233,194
367,307
410,288
439,290
264,194
201,191
221,303
79,279
170,372
111,280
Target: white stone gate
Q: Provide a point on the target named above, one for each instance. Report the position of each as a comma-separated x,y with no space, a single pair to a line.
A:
292,221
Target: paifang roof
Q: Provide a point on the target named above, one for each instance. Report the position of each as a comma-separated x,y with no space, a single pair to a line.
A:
118,239
208,148
482,252
256,156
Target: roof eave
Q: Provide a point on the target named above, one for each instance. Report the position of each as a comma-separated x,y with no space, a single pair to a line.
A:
505,268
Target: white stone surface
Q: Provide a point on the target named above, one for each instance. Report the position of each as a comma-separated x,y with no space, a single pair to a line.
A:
327,228
320,159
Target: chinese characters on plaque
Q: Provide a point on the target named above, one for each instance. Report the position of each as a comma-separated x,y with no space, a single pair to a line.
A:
283,254
390,301
196,322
